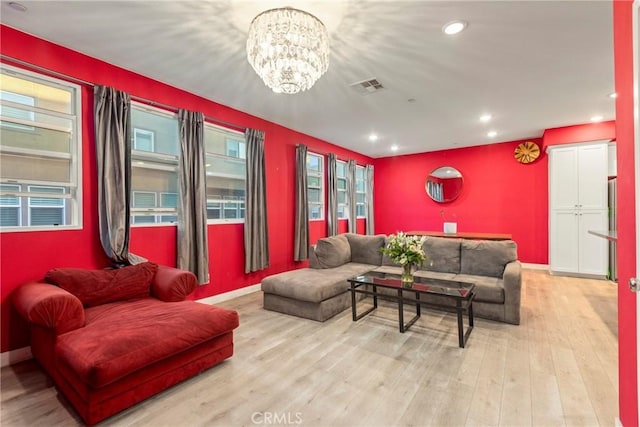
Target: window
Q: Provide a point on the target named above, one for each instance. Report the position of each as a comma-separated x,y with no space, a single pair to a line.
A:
10,215
154,166
144,204
40,147
45,206
341,176
236,148
16,113
169,201
143,139
315,185
46,210
226,174
361,192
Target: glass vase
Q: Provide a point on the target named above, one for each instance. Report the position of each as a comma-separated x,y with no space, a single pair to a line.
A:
407,275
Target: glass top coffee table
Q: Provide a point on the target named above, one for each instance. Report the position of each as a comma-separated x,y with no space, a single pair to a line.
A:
450,294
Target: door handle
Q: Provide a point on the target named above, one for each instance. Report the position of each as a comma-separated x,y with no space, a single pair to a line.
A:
633,284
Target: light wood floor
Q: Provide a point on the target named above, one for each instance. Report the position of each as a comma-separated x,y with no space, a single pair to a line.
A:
558,368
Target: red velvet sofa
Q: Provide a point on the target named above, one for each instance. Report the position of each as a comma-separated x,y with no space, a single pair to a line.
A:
111,338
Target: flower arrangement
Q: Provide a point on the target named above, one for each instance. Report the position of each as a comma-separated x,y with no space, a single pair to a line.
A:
406,251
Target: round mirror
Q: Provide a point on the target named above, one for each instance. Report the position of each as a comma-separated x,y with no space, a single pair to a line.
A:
444,184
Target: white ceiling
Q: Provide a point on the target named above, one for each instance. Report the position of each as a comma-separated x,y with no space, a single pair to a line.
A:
533,65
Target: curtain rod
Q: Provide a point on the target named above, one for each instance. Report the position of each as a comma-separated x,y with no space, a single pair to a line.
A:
325,153
34,67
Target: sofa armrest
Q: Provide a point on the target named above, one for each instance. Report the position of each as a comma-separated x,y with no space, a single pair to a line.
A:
49,306
172,284
512,279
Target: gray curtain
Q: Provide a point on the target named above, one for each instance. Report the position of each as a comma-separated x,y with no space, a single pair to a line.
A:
192,246
256,237
112,116
351,196
301,238
332,193
371,229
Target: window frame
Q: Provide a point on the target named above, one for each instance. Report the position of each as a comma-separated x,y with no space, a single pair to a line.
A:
321,175
18,205
152,160
364,192
31,114
74,155
220,203
31,206
339,178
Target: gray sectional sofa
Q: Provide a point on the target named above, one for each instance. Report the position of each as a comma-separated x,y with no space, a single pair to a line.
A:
321,291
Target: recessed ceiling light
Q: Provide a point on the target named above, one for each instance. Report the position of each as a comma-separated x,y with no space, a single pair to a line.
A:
394,147
454,27
596,119
485,118
492,133
18,6
373,137
613,95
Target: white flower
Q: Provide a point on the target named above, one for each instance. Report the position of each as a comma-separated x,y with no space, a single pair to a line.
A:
404,249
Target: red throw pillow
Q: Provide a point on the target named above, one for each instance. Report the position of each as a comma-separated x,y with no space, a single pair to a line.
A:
95,287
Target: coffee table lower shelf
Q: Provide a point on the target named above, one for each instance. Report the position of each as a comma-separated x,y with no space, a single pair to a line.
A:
411,297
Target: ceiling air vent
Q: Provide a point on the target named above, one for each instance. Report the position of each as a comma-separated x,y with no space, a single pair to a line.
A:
367,87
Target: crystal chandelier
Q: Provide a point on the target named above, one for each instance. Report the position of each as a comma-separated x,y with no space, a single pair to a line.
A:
288,48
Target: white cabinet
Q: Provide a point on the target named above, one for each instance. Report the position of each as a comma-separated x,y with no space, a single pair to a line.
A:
572,249
577,204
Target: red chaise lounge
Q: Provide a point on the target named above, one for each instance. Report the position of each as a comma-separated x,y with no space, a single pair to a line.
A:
111,338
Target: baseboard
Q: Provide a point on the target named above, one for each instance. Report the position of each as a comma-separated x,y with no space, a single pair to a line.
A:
617,422
578,275
230,295
531,266
15,356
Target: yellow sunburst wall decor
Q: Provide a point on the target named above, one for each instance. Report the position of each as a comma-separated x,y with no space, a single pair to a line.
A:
527,152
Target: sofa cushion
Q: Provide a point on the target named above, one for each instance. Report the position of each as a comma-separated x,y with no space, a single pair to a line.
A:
172,284
486,258
313,285
123,337
488,289
333,251
95,287
443,254
366,249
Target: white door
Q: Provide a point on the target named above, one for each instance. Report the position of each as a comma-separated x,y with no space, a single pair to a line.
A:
563,178
593,250
564,239
592,170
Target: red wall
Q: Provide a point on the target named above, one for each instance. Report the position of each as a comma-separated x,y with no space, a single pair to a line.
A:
499,195
28,255
579,133
627,245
